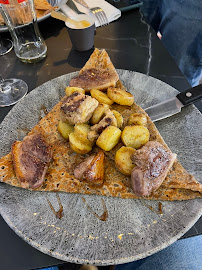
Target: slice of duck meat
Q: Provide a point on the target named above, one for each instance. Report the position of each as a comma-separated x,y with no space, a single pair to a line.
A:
31,159
93,78
36,146
78,108
91,169
152,164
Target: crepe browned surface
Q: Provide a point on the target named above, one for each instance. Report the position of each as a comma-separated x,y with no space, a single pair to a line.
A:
99,60
178,185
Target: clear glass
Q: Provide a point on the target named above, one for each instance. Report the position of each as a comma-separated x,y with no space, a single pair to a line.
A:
6,46
11,91
20,17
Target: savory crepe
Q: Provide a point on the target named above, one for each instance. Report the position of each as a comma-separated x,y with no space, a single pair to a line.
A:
62,166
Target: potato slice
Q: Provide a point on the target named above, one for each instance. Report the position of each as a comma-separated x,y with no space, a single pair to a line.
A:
81,132
123,160
139,119
101,97
78,146
98,113
65,129
70,90
109,138
135,136
119,118
120,96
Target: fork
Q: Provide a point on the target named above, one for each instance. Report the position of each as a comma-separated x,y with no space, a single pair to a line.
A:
97,12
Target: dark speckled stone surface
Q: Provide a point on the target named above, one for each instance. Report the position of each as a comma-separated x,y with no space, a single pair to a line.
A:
132,45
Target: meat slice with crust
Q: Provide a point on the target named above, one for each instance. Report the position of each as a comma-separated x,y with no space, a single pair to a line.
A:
77,108
98,72
97,129
152,164
36,146
94,78
31,158
91,169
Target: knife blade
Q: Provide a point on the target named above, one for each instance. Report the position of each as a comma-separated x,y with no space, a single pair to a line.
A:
174,105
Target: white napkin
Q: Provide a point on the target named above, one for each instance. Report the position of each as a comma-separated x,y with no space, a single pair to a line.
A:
111,12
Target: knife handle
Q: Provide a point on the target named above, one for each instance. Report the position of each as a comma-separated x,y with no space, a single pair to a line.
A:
190,95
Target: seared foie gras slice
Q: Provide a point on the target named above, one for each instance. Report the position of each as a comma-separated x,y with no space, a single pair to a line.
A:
91,169
78,108
152,164
31,158
95,79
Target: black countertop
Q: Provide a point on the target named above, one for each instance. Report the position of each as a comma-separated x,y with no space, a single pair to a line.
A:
132,45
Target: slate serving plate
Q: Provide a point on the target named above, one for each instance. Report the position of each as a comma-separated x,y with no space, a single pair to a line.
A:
132,231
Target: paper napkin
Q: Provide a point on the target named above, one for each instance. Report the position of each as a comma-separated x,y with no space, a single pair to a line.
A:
111,12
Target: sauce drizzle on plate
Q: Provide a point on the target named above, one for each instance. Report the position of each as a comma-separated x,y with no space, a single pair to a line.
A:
59,213
104,215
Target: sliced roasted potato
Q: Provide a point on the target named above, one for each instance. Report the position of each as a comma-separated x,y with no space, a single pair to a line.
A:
120,96
101,97
135,136
137,119
65,129
98,113
81,131
123,160
109,138
70,90
119,118
78,146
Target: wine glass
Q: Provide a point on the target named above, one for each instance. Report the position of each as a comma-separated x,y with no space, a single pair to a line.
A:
11,91
6,46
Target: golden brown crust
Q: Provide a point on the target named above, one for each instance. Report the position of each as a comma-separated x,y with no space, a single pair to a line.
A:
15,149
100,61
178,185
94,79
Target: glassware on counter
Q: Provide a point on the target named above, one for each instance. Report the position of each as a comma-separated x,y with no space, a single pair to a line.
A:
11,91
6,46
20,18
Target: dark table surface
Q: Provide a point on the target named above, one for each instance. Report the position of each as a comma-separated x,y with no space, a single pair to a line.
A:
132,45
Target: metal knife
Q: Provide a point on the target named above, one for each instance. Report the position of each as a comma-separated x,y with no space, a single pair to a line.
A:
174,105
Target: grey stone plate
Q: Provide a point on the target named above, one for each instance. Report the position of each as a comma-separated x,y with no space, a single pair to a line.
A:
132,231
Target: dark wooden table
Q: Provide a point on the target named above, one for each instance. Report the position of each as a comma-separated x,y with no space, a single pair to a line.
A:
132,45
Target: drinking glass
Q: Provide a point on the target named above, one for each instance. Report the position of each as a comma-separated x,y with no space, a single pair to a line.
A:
6,46
20,18
11,91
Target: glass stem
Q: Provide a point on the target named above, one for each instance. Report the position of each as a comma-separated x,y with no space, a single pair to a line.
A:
1,79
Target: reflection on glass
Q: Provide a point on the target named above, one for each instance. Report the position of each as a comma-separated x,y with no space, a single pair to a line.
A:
11,91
